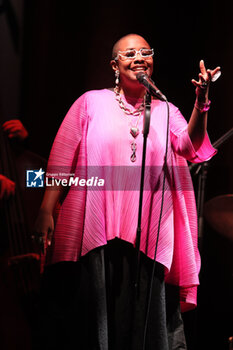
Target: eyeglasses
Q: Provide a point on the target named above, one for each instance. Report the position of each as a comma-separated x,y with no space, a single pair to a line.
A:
132,54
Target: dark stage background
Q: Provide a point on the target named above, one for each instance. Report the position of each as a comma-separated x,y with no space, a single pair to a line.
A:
53,51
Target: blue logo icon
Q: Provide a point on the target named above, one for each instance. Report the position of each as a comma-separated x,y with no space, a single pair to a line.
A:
35,178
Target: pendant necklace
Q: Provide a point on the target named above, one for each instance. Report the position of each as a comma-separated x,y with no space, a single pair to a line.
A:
134,130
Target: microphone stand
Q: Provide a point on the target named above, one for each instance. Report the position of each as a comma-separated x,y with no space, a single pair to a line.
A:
146,127
201,185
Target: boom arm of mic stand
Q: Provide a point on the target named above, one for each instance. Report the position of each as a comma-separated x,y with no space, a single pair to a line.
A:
201,201
216,144
201,185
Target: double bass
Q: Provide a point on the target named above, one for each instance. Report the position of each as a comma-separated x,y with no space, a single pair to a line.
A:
19,254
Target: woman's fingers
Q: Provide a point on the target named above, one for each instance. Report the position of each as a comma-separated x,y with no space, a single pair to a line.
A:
202,67
206,76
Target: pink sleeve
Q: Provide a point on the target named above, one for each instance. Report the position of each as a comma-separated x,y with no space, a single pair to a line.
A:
188,298
65,149
182,143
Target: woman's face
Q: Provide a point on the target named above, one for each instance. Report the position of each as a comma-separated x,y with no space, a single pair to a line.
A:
129,68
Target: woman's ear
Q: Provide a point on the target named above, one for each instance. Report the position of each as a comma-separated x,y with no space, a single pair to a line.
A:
114,65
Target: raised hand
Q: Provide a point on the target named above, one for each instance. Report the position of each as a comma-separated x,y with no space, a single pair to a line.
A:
205,77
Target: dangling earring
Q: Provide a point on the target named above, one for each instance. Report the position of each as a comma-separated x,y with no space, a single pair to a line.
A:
117,74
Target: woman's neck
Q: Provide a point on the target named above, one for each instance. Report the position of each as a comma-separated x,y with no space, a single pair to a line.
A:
135,93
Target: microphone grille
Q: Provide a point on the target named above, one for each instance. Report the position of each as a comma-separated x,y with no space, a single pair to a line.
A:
141,76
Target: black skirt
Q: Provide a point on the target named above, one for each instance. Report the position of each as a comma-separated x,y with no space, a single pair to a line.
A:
91,304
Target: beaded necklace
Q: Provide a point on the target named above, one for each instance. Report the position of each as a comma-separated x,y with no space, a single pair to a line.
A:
134,130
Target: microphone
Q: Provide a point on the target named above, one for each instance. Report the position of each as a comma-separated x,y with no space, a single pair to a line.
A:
150,86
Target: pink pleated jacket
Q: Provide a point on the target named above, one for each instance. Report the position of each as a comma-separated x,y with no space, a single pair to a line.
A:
94,142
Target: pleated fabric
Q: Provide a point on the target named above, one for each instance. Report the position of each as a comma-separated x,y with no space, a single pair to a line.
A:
93,143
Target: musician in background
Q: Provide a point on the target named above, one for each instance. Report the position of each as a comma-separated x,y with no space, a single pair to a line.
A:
14,326
17,131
